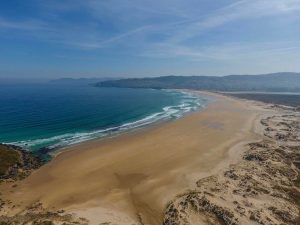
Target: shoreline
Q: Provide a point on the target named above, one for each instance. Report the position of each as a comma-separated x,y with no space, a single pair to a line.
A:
143,128
139,173
188,103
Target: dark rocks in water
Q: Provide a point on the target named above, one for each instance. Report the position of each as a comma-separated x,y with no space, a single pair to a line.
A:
44,150
43,153
16,163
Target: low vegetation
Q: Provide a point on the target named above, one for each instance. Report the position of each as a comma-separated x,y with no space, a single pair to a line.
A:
8,158
16,163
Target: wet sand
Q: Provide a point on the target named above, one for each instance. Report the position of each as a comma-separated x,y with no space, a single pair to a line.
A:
130,179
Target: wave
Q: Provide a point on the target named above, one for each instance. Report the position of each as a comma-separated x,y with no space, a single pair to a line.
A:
189,102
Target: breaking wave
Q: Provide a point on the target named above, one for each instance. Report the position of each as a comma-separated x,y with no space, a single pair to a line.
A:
189,102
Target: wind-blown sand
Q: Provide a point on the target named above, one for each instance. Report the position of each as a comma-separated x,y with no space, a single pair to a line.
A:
131,178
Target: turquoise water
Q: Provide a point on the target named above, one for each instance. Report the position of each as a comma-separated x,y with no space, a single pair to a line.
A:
55,115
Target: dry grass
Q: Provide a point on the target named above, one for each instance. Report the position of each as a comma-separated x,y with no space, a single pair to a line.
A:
8,158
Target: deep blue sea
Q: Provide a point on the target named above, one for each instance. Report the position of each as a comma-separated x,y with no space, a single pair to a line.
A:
54,115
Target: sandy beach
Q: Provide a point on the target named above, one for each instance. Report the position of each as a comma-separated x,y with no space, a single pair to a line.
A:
131,178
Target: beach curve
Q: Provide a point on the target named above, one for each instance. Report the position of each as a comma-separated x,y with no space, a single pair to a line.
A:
132,177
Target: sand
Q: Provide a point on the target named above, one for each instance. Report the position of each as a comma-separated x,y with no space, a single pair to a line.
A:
261,188
130,179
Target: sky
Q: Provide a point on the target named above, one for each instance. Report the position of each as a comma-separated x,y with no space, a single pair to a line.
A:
138,38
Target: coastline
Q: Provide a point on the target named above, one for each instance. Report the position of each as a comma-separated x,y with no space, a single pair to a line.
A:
133,176
138,129
175,104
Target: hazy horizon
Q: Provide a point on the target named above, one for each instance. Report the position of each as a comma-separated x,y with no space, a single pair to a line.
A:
54,39
28,79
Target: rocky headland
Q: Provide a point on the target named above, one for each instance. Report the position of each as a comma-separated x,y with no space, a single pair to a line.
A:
16,163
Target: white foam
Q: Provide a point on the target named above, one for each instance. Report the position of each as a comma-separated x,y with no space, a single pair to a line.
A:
189,102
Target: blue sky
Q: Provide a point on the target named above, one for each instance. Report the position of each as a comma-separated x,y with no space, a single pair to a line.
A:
135,38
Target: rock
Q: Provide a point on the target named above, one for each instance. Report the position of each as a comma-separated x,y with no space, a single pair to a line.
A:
18,162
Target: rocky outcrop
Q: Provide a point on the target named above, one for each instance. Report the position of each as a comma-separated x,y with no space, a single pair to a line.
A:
16,163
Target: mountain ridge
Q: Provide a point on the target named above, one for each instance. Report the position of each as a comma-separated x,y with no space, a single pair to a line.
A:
282,81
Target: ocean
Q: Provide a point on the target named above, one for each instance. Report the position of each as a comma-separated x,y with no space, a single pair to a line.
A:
54,115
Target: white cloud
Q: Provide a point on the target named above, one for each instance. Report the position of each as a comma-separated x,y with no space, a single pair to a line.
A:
22,25
184,25
236,11
135,21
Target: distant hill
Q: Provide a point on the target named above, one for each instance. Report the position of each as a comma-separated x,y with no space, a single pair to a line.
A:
81,80
276,82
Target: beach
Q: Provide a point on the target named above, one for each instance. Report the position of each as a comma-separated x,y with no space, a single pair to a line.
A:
133,177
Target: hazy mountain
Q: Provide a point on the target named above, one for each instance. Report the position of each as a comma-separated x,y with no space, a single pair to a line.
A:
93,80
265,82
